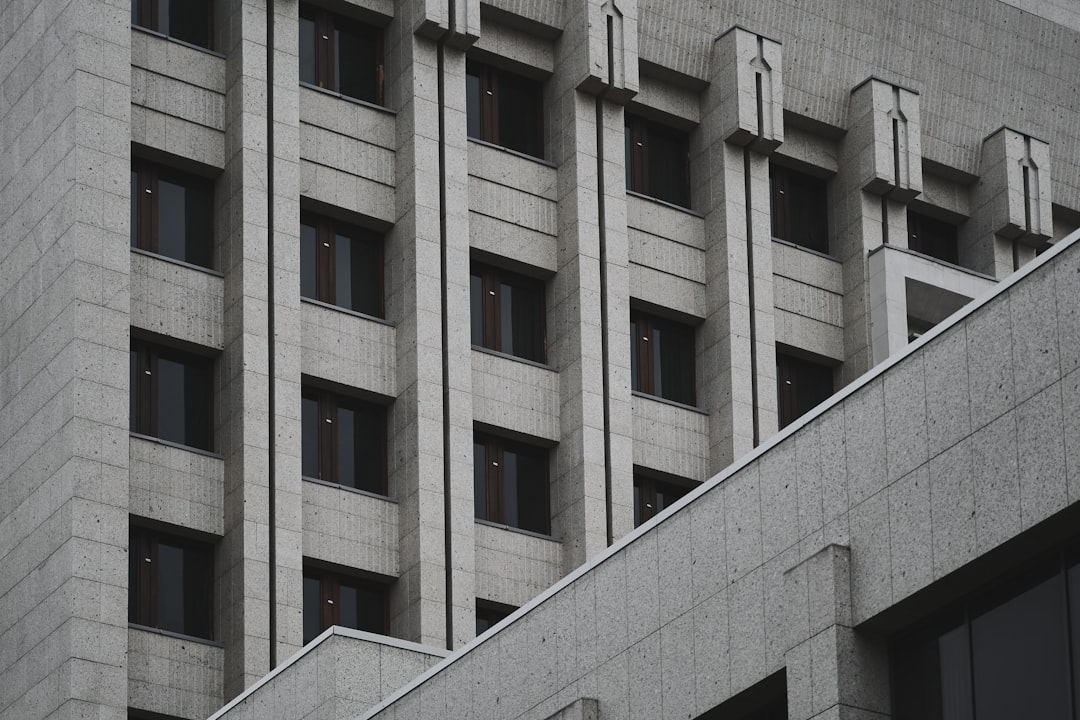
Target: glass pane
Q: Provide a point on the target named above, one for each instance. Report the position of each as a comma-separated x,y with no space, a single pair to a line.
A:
197,593
506,318
509,472
171,220
526,312
808,225
637,504
133,392
476,309
654,345
1021,656
355,63
346,446
171,416
674,358
1074,622
667,165
480,480
312,608
343,283
370,609
954,661
308,262
307,50
368,441
358,271
197,226
347,608
309,432
532,492
189,20
197,415
134,197
170,587
519,114
634,344
472,103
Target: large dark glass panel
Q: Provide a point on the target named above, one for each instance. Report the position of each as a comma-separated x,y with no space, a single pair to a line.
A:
348,607
309,431
480,464
1074,624
347,447
667,166
308,262
954,664
307,50
525,491
188,20
932,237
312,608
134,207
637,505
171,220
369,443
370,609
635,384
1021,657
673,364
197,226
355,63
510,488
357,267
197,593
197,415
133,391
525,313
170,587
472,104
519,114
476,309
171,391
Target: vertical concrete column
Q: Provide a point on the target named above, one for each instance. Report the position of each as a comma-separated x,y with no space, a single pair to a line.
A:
287,333
243,569
64,328
433,409
1011,213
880,173
741,123
592,489
833,671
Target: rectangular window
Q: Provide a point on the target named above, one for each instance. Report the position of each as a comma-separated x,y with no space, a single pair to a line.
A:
343,441
652,496
171,395
799,208
657,161
489,614
332,599
510,484
801,385
662,358
504,109
171,213
191,21
341,264
342,55
932,237
170,583
507,313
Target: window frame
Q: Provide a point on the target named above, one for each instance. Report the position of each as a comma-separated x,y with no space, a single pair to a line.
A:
143,585
783,182
330,583
150,11
646,485
492,613
144,389
494,480
644,380
787,384
489,79
327,442
145,206
638,131
326,68
491,278
326,231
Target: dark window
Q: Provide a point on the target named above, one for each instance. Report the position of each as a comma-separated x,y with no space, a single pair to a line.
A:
799,208
507,313
341,264
343,441
801,386
1007,653
170,581
331,599
171,213
662,358
171,395
510,484
489,614
652,496
932,237
191,21
342,55
504,109
657,161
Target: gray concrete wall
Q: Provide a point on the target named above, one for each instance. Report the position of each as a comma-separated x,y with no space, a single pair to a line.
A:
965,443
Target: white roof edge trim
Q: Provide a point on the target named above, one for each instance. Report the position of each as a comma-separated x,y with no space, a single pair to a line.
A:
328,632
865,379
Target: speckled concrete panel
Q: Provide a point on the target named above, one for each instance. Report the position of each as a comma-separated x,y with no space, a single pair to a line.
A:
670,438
349,349
350,528
512,567
668,291
515,395
173,676
647,217
176,300
177,486
172,97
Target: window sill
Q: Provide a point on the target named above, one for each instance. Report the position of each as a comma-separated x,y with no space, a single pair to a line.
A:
346,98
181,263
347,311
665,401
515,358
530,533
937,261
179,446
665,203
163,36
357,491
178,636
797,246
520,154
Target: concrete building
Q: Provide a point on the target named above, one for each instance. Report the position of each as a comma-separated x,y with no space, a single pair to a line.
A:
428,303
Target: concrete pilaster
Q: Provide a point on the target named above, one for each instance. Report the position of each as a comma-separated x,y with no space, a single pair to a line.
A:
738,361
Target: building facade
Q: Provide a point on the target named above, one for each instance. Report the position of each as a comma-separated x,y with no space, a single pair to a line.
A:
427,303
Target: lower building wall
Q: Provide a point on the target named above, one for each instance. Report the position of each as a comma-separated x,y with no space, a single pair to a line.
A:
174,676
